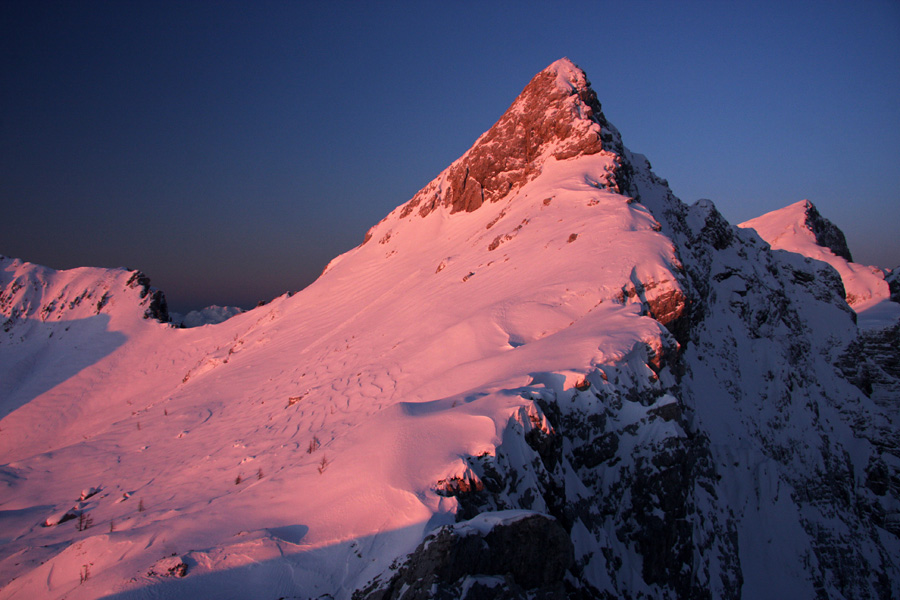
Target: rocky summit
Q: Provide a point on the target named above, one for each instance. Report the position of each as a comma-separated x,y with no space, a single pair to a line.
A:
544,376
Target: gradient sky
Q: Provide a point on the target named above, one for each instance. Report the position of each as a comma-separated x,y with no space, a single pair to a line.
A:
231,149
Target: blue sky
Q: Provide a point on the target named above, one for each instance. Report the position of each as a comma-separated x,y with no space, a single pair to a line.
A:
230,149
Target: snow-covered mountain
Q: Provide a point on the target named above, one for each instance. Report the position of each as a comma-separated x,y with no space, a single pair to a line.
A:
211,315
801,229
543,376
872,360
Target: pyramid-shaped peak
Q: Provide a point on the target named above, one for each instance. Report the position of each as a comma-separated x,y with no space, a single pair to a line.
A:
569,76
556,116
780,226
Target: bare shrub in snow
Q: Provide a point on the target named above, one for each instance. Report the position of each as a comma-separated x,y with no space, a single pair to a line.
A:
84,522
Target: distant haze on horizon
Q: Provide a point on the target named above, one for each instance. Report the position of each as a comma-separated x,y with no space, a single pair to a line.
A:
230,150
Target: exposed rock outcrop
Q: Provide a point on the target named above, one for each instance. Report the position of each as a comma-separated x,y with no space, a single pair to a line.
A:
827,233
514,556
157,307
557,116
893,280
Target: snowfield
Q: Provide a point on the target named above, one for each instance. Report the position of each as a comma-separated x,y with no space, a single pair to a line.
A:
584,348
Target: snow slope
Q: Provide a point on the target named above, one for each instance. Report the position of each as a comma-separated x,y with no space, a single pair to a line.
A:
539,330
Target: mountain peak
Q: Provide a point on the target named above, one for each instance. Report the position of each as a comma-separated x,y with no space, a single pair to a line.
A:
557,115
801,229
800,217
569,77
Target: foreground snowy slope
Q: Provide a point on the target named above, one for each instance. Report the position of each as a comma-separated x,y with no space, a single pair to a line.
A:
544,340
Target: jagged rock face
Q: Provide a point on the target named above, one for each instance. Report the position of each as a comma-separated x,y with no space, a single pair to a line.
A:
761,347
828,235
617,462
523,558
872,363
893,280
557,115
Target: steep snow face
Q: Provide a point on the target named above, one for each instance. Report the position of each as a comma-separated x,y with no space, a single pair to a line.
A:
544,329
800,228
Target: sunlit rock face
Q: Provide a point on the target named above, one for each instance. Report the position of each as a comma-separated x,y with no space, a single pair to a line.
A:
557,115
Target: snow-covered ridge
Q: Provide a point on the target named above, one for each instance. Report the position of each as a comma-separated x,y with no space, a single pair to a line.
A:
29,291
872,360
800,228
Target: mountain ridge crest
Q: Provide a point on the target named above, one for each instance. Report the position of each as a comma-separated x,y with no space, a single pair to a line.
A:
557,115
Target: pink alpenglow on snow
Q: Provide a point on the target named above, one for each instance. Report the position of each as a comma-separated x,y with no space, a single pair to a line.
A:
543,375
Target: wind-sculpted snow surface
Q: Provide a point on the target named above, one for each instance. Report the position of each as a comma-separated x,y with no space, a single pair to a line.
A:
566,385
